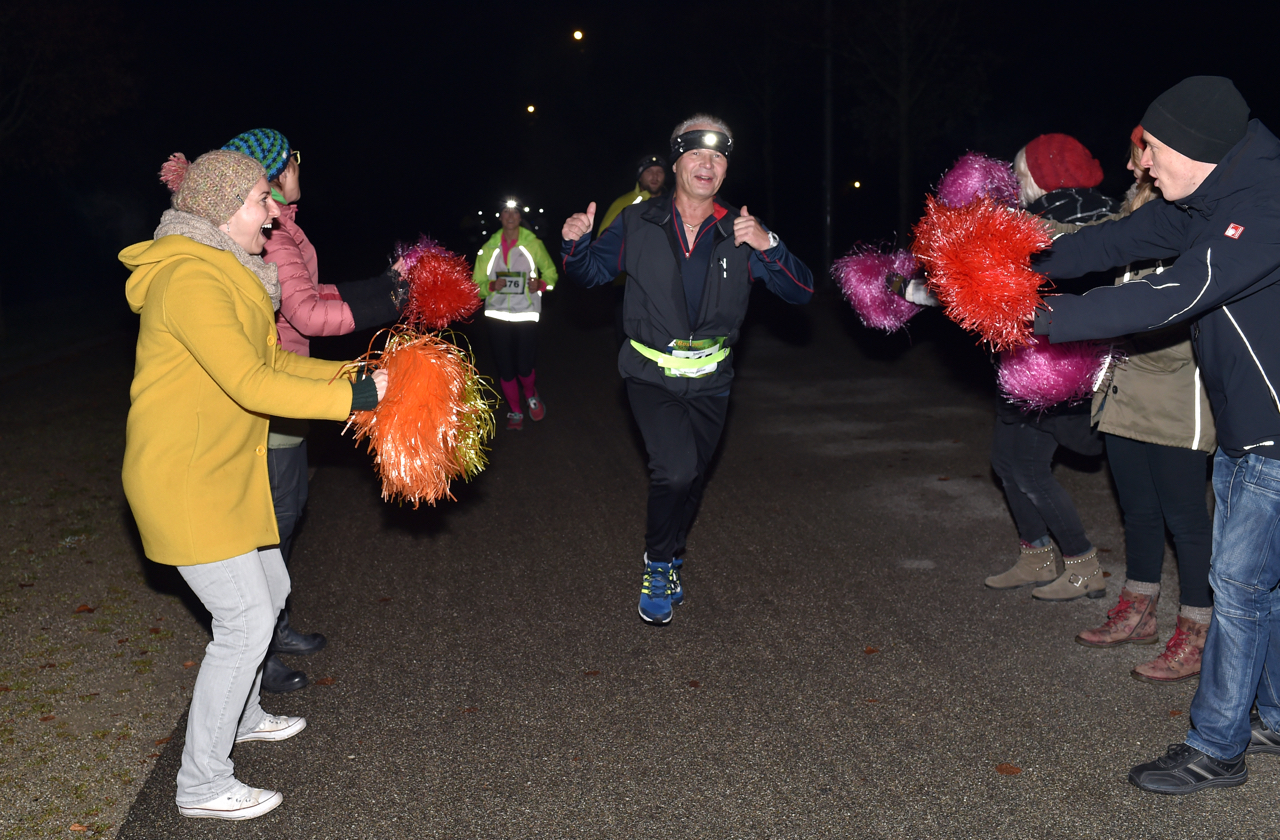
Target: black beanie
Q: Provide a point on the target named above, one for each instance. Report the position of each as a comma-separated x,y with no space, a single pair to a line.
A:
1201,117
646,162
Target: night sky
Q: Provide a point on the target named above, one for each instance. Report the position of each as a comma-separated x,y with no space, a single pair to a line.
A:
413,118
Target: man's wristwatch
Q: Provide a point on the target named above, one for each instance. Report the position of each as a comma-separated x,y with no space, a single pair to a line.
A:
773,240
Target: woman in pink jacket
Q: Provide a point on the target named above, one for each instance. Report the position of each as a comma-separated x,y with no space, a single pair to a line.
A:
308,308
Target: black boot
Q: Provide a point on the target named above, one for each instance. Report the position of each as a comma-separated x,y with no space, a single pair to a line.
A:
278,677
288,640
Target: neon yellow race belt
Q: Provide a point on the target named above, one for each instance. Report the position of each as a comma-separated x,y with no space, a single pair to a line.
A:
692,358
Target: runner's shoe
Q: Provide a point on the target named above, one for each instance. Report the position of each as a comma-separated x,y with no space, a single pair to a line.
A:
1184,769
655,593
537,408
677,588
515,421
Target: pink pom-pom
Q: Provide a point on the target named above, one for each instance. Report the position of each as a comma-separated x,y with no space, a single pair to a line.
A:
863,277
975,175
174,170
1042,375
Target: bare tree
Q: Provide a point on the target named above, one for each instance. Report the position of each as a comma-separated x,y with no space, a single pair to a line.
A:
914,71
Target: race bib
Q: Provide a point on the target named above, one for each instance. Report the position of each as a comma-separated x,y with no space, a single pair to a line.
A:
510,282
699,349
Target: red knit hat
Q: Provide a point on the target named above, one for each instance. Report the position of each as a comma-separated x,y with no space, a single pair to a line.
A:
1060,160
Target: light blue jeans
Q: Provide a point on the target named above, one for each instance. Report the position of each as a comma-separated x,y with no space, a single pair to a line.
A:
244,594
1242,650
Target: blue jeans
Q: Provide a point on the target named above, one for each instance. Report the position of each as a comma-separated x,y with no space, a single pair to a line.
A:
1242,650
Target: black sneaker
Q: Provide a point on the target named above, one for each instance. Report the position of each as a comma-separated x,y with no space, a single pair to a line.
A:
1262,739
1184,769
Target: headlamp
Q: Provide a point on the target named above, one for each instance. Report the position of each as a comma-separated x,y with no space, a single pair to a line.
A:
701,139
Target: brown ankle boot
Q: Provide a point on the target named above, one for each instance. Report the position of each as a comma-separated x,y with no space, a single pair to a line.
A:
1034,567
1082,578
1133,620
1181,657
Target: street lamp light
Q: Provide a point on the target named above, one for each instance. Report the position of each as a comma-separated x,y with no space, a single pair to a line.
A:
577,34
529,109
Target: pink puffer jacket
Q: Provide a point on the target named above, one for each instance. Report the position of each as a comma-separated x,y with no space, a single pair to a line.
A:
307,307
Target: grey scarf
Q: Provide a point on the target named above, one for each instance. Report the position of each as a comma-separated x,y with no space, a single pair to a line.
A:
198,229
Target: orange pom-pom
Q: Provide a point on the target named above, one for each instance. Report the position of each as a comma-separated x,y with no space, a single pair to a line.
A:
431,424
978,262
440,285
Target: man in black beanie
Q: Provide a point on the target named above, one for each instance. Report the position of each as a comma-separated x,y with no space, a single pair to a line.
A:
1219,174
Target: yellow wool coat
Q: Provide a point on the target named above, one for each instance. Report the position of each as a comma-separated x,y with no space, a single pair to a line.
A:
209,372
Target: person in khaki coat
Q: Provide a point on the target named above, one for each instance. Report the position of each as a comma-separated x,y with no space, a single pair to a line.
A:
1154,412
209,372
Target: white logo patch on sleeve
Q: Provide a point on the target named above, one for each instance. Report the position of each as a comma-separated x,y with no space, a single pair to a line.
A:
1234,230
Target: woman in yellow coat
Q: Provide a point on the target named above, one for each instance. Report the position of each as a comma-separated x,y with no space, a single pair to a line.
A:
209,372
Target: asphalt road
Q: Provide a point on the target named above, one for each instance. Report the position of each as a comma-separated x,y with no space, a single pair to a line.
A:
837,670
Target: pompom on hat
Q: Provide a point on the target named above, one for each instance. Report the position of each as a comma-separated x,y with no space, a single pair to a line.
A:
265,145
1057,161
214,186
1201,117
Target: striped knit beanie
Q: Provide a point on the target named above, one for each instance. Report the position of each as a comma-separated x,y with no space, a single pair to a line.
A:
214,186
266,145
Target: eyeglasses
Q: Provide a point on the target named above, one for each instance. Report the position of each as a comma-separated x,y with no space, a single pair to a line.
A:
297,157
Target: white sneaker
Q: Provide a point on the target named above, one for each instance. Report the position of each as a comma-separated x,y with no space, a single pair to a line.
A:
275,728
240,803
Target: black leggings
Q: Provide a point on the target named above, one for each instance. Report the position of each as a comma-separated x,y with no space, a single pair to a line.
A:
1022,456
1158,486
515,347
680,434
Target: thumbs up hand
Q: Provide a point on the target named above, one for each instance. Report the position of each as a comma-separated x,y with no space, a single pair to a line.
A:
747,229
579,224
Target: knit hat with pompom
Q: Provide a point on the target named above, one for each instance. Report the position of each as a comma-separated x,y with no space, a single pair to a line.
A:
212,187
265,145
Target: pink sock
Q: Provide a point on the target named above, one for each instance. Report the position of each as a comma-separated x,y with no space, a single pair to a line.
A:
512,394
526,382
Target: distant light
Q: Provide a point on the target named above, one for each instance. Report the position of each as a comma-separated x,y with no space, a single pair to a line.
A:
529,109
857,185
539,209
479,212
577,34
484,233
526,209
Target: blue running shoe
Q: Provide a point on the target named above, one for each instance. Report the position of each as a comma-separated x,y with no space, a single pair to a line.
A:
677,588
655,593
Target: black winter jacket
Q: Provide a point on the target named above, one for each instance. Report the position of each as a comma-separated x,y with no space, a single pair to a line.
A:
642,242
1226,237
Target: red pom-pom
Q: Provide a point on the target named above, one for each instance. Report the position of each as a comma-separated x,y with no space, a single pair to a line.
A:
978,261
440,286
174,170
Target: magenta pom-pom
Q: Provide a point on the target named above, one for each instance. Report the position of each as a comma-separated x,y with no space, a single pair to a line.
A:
1041,375
174,170
863,277
974,176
